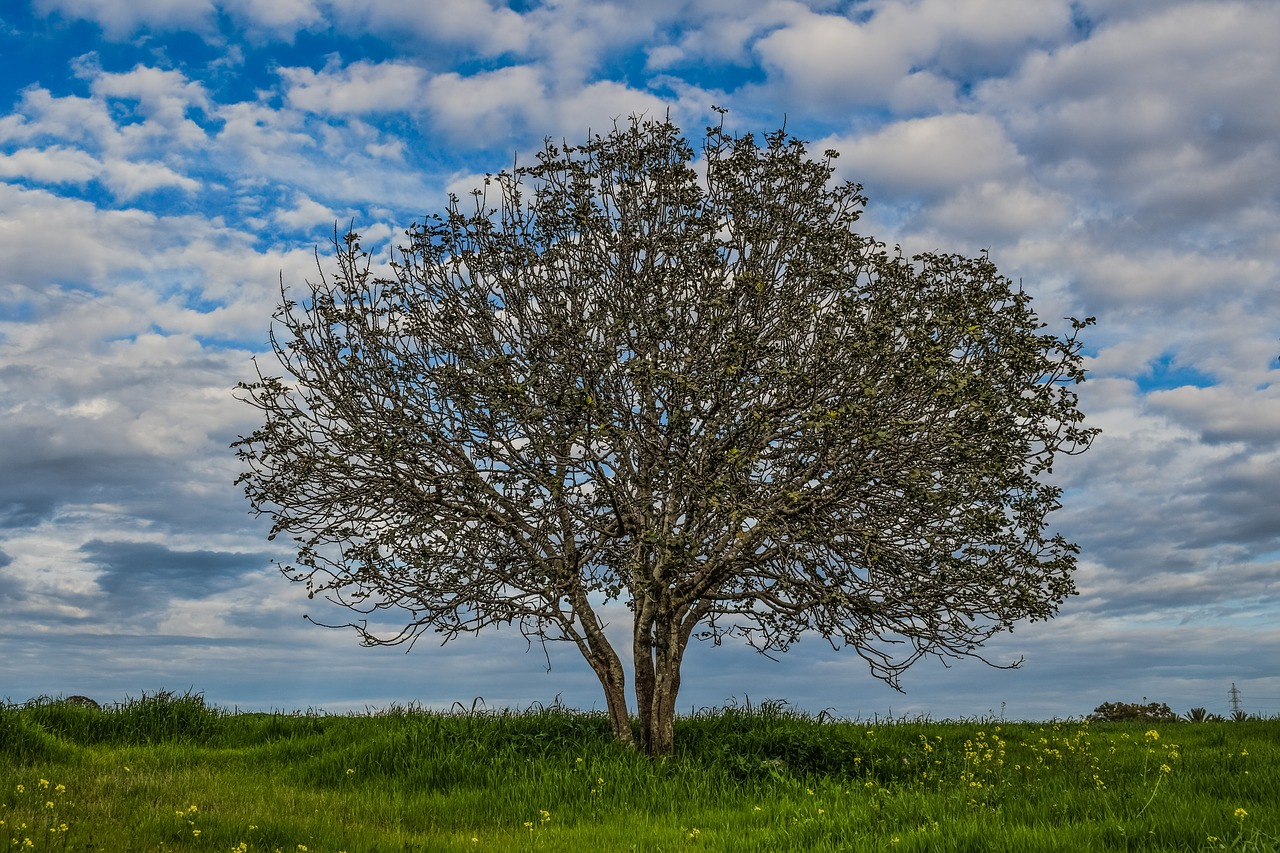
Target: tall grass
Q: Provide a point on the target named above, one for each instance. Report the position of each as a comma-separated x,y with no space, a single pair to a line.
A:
167,772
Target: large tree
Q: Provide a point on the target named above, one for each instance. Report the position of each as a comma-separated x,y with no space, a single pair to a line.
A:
630,374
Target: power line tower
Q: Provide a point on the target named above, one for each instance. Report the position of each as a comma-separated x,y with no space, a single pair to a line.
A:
1235,699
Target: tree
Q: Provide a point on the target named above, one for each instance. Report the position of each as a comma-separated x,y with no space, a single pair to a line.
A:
625,374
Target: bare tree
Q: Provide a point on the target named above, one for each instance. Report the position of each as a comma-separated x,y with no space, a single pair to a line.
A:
686,384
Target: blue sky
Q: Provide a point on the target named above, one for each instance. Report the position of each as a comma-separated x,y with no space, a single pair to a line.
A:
164,162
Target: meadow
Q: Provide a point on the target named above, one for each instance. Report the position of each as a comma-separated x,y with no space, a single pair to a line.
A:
169,773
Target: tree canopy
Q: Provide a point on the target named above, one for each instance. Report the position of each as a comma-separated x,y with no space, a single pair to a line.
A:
630,373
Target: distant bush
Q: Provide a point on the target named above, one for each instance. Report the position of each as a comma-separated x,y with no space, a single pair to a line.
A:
1122,712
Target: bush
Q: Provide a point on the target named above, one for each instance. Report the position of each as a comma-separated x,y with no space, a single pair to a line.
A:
1128,712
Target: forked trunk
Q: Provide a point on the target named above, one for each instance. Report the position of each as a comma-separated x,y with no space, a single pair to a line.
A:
659,648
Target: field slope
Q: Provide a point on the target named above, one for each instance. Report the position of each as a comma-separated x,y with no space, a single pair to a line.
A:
169,773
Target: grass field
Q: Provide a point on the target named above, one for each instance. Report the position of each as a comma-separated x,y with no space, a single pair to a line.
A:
168,773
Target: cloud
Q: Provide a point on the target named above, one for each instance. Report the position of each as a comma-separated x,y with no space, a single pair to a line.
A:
1001,211
145,576
60,240
496,109
361,87
70,118
1225,414
834,61
164,97
928,156
306,215
281,18
119,20
1165,115
488,29
89,143
831,60
52,165
56,165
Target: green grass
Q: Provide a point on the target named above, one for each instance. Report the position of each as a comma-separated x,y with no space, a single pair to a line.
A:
169,773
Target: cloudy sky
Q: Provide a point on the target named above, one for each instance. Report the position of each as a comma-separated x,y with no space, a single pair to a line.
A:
164,162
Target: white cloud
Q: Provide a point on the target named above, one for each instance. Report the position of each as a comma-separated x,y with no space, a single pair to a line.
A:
724,32
52,165
488,29
278,17
68,118
1225,414
127,155
928,155
57,165
48,239
306,214
1160,282
362,87
499,108
119,20
262,138
1001,211
830,61
1188,82
164,96
392,149
487,104
129,180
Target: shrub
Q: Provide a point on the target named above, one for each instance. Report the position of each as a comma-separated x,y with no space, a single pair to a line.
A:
1121,712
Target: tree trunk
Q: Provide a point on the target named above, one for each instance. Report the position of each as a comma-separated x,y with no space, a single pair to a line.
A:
659,649
609,670
642,655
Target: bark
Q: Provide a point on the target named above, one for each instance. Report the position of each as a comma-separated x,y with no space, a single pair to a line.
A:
613,681
660,643
645,675
608,668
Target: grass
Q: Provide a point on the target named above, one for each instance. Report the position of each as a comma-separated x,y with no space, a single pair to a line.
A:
168,773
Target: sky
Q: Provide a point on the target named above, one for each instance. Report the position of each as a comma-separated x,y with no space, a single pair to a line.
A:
164,164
